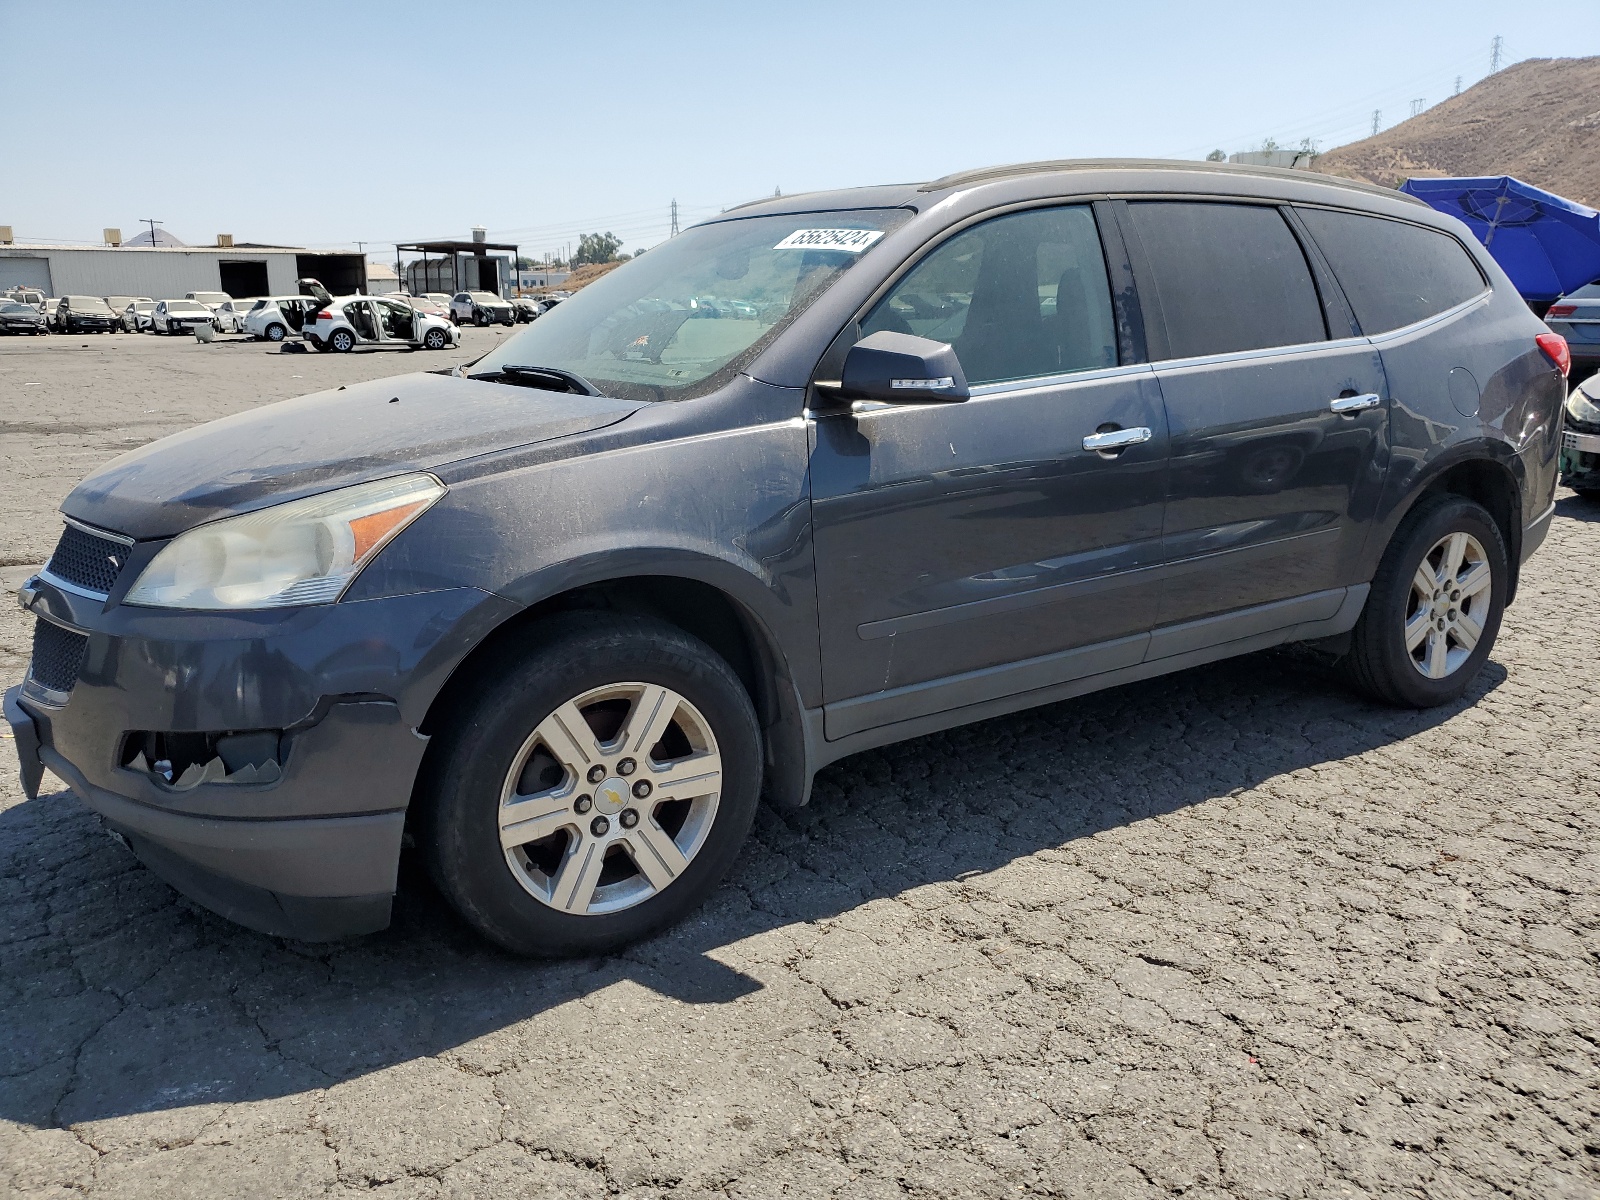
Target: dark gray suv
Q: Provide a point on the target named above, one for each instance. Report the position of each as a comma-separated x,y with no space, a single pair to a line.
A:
827,472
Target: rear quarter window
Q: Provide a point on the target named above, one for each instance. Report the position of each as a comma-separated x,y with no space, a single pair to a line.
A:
1393,273
1228,276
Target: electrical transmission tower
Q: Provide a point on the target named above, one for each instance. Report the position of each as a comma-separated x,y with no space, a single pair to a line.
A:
1457,92
1377,116
1497,53
1417,106
674,232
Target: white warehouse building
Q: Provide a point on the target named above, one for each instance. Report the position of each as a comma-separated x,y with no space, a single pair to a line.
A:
168,272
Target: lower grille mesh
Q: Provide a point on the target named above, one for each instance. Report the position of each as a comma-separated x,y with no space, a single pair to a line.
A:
57,656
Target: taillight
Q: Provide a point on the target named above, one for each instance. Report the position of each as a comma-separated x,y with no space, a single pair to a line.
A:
1555,349
1562,310
325,315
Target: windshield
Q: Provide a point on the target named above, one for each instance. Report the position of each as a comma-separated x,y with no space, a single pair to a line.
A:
87,304
11,306
211,297
185,306
678,321
482,296
144,306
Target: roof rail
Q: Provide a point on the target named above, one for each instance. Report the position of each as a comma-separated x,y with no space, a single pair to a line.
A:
988,174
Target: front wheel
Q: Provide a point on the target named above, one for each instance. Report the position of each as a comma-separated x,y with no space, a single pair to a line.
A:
435,339
342,340
593,788
1431,618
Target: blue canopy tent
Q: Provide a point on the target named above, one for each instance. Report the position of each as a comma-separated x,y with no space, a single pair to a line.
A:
1549,245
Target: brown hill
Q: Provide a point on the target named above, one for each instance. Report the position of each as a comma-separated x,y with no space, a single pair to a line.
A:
1538,120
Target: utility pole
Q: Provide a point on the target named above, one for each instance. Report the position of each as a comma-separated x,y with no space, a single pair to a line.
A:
1377,116
674,232
1497,50
152,223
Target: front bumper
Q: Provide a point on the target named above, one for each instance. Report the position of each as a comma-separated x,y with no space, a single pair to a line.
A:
1580,459
311,853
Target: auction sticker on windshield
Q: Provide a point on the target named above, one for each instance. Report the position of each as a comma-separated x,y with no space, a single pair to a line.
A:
852,241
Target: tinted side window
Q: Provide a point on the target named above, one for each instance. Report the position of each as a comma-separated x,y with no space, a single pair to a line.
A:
1229,277
1393,273
1018,296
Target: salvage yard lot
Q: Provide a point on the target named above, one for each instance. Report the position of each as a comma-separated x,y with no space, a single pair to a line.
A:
1230,933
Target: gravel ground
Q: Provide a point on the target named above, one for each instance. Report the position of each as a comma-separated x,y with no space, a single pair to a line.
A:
1231,933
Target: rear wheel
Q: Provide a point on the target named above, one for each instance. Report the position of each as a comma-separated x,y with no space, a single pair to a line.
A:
276,332
1434,610
595,788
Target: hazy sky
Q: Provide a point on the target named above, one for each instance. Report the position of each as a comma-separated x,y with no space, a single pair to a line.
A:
324,122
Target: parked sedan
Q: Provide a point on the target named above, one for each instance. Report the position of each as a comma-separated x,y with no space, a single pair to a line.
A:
136,315
1576,317
379,323
179,316
275,317
17,317
82,314
230,315
481,308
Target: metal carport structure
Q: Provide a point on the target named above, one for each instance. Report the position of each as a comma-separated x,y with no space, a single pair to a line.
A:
453,250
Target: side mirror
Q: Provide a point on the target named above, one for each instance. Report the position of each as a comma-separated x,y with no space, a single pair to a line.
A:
901,368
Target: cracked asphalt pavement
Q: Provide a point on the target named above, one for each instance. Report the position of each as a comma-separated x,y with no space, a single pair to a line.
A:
1233,933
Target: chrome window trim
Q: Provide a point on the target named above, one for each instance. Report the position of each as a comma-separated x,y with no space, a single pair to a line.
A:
1008,387
1438,318
1232,356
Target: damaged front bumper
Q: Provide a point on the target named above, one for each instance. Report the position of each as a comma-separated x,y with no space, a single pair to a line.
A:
1580,459
259,762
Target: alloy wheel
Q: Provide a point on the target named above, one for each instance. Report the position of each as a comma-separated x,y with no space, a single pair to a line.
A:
1449,602
610,798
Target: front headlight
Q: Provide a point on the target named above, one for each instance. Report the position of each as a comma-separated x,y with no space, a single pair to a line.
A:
302,552
1581,408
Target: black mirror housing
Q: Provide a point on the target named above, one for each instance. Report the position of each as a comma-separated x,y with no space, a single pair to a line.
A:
901,368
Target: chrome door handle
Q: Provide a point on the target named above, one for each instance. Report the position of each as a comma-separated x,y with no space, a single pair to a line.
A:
1117,439
1346,405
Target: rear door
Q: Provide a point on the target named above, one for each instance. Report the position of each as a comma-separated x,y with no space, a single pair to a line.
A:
969,551
1277,410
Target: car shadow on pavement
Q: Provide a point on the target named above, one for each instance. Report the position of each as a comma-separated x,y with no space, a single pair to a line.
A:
118,997
1578,508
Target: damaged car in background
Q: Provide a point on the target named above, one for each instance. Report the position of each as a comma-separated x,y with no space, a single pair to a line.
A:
824,473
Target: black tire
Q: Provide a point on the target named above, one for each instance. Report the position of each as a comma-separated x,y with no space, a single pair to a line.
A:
434,339
459,789
1379,663
276,332
341,341
480,318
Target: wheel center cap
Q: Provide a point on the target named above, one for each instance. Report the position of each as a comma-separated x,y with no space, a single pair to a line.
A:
611,796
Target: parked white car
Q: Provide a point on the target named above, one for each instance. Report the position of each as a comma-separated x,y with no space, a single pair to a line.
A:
377,322
481,308
276,317
136,317
231,314
212,300
179,316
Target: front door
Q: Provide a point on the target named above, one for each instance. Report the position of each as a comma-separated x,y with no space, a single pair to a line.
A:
969,551
1277,428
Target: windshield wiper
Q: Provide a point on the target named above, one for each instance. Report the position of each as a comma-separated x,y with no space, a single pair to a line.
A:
551,379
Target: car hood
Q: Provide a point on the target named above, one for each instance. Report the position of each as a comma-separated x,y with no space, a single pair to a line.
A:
323,441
